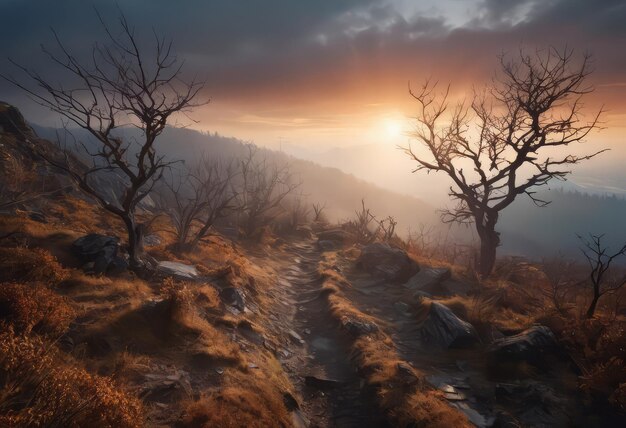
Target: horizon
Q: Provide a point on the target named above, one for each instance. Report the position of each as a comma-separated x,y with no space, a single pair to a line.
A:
336,74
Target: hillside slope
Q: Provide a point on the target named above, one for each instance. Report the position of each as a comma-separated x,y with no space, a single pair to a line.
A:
341,192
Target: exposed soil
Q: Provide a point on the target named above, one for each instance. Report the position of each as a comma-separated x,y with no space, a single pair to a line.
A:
333,394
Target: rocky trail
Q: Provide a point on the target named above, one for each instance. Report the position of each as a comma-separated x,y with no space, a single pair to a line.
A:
318,355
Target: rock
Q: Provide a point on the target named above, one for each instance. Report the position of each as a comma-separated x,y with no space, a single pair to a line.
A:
384,261
162,387
101,250
321,383
336,236
38,217
530,345
537,404
233,297
473,416
295,337
151,240
304,231
290,401
358,328
443,327
407,373
326,245
177,269
299,420
401,307
428,280
117,265
418,296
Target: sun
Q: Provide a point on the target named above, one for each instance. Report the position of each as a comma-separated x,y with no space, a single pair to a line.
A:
393,128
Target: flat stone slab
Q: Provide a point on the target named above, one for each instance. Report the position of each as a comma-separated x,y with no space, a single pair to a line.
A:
427,279
178,269
442,326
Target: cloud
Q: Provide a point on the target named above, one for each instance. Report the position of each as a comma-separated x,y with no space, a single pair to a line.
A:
329,55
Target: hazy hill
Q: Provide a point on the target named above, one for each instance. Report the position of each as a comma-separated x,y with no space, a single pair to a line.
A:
579,205
340,191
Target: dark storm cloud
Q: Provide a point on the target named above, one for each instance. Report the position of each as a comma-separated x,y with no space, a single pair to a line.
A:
268,50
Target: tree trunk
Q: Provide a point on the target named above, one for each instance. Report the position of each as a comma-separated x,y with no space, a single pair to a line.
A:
135,242
594,303
487,256
489,242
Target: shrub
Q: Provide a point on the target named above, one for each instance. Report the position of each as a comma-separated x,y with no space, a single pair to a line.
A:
30,264
37,388
33,307
238,407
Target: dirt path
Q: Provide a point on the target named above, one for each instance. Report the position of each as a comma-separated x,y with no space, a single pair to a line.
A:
319,364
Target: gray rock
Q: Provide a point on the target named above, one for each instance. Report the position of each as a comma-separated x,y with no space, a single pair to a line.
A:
401,307
322,383
449,331
407,373
530,345
38,217
177,269
386,262
233,297
295,337
325,245
336,236
358,328
98,249
418,296
117,265
427,280
151,240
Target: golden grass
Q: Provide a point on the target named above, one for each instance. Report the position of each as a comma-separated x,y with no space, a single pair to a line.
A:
235,407
26,264
40,389
33,307
407,402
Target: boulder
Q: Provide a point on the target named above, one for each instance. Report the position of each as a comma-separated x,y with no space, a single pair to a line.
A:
151,240
386,262
326,245
233,297
98,249
428,280
357,328
177,269
529,345
446,329
334,235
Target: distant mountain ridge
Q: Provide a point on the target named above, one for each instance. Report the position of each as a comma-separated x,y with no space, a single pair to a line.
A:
526,229
339,191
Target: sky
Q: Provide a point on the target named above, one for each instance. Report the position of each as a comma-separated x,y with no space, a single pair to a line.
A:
326,73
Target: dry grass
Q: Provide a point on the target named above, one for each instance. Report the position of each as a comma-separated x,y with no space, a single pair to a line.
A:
85,216
40,389
34,308
404,397
26,264
234,407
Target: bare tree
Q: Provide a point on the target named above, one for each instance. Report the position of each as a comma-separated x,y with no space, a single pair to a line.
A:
603,279
120,84
263,186
299,212
386,228
195,201
505,142
559,274
318,212
360,225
